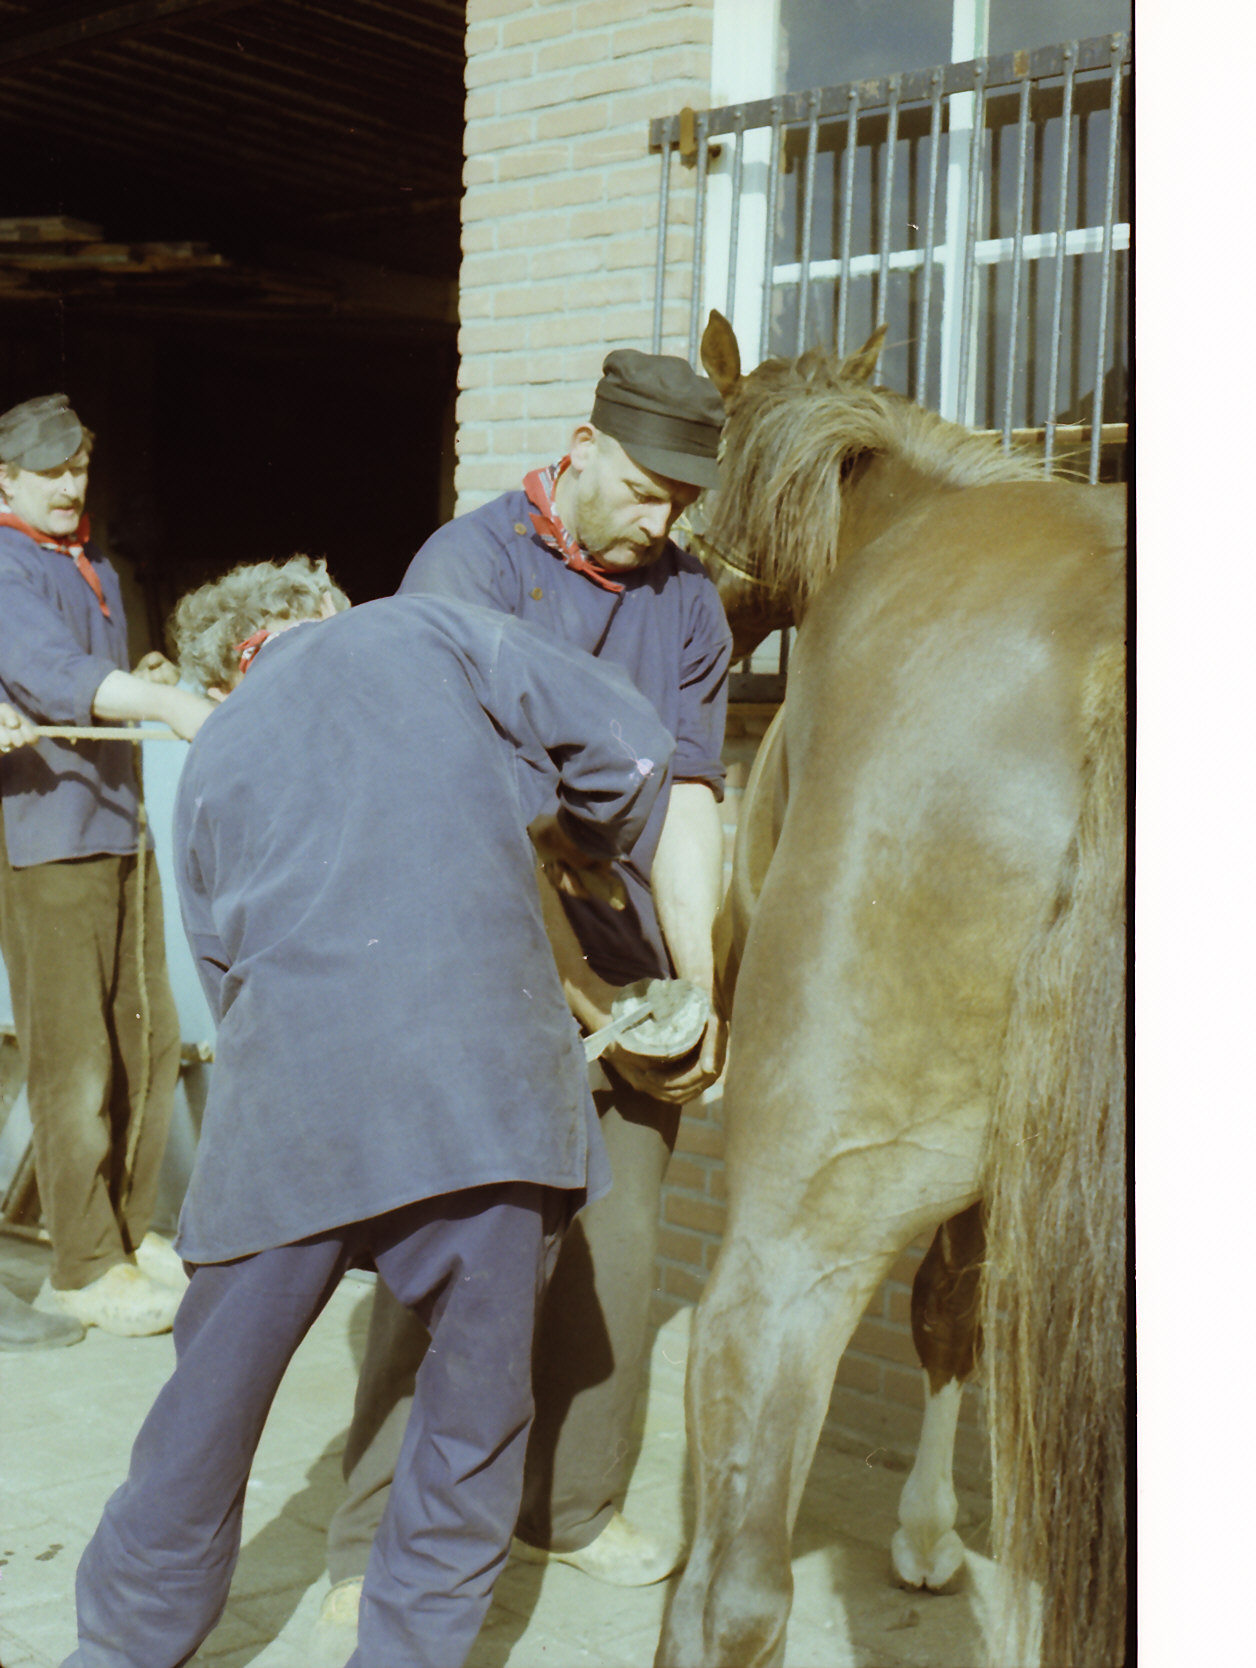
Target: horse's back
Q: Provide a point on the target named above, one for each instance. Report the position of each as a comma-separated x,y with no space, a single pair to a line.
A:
934,731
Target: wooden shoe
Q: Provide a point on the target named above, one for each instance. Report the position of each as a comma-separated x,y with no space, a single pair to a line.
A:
334,1637
124,1301
622,1556
161,1262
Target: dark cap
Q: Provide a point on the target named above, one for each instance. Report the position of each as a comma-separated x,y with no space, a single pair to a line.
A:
40,433
665,416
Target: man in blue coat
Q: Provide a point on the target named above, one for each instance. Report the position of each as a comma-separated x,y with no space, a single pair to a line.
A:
360,893
582,551
93,1008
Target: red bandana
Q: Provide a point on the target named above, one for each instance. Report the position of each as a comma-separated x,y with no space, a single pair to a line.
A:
249,648
539,486
72,546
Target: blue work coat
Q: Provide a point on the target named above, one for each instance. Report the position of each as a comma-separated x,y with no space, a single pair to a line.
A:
359,892
665,628
61,799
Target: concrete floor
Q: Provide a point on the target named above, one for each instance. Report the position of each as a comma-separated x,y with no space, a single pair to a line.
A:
69,1416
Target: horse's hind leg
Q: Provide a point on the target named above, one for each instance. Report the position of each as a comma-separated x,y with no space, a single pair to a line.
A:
926,1551
767,1338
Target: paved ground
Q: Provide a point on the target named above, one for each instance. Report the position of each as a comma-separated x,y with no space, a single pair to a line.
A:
68,1418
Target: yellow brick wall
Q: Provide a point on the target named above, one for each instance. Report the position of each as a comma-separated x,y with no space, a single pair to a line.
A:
559,213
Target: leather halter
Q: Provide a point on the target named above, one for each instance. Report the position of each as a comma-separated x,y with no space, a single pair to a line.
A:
727,562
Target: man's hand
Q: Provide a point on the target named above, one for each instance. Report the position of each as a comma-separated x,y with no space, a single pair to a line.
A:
570,870
663,1079
15,731
155,668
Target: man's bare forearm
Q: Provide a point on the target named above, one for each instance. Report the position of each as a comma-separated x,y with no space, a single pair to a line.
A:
122,695
687,879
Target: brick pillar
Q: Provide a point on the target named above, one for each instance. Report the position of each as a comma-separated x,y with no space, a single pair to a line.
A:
560,213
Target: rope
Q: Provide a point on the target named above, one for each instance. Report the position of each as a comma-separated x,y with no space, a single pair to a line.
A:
139,1105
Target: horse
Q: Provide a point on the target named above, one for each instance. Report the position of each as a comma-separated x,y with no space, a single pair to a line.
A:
923,947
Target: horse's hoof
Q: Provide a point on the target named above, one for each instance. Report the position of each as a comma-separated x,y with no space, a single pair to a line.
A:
938,1568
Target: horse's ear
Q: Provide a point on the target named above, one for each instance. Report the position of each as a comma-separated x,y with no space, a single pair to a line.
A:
721,357
860,366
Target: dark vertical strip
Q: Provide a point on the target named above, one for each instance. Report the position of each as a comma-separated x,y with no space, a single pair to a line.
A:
931,214
1061,230
1105,278
1018,250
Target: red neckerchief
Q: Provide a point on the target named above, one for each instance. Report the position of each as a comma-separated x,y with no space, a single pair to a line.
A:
249,648
539,487
72,545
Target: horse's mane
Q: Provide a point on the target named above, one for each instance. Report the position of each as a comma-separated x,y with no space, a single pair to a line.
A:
795,432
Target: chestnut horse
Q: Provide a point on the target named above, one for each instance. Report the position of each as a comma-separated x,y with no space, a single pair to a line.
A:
925,934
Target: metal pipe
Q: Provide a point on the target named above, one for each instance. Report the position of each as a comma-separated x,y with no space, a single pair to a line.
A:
970,242
1061,227
1105,278
1018,245
808,217
887,199
848,208
699,232
769,236
660,259
739,129
935,147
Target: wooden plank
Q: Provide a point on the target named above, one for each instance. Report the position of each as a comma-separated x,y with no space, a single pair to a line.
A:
47,228
104,732
58,31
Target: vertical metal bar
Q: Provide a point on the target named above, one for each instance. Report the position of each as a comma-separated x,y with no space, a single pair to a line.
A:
970,245
848,209
1105,280
739,128
660,259
1018,249
1061,227
887,199
808,216
935,147
769,236
699,233
782,664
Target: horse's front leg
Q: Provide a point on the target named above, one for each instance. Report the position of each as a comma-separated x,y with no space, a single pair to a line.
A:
926,1551
767,1338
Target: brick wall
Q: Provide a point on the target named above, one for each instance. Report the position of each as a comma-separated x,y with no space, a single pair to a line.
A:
559,221
560,211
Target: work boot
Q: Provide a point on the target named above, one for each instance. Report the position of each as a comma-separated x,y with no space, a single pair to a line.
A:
161,1262
334,1637
622,1555
124,1301
22,1327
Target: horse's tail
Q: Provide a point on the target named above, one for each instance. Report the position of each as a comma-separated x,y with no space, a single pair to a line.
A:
1054,1293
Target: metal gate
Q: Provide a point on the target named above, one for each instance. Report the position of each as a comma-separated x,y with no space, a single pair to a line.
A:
980,209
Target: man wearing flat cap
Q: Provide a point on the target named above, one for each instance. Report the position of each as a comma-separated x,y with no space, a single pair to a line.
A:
582,551
94,1012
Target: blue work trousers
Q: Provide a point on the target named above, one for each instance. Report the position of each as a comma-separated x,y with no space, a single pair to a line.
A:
472,1265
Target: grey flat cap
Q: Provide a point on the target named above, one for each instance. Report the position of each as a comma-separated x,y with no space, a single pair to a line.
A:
40,433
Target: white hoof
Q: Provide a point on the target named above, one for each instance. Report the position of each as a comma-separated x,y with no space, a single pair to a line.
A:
935,1567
